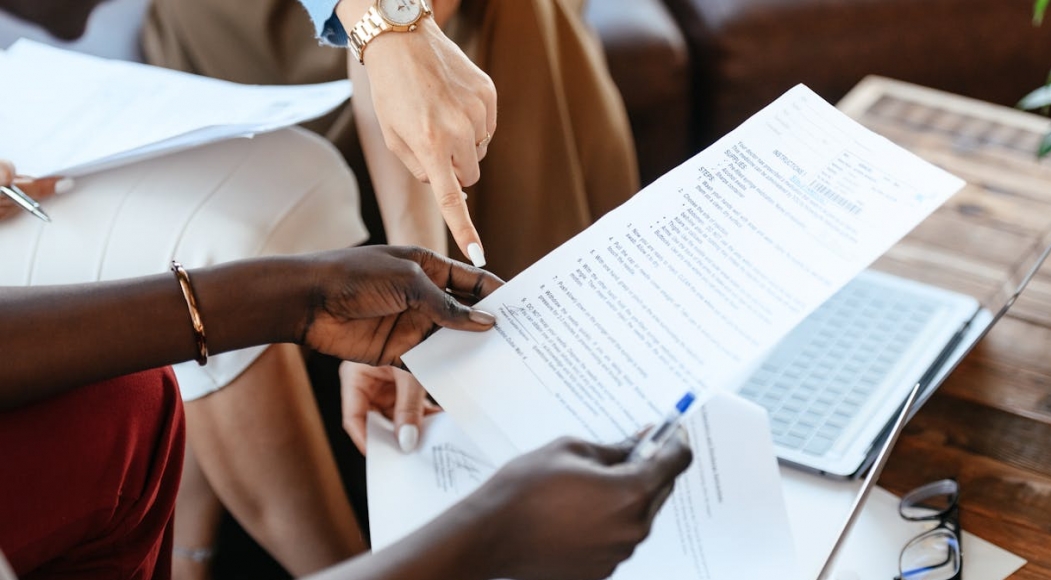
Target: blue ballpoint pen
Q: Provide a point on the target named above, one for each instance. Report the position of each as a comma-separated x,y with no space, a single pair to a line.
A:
652,442
22,199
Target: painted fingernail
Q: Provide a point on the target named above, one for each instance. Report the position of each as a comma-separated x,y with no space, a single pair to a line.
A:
481,317
475,253
408,437
64,185
463,194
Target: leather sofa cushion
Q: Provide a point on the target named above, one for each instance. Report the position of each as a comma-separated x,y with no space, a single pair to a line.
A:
649,61
747,52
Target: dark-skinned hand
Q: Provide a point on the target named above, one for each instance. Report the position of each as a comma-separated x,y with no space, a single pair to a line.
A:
372,304
574,510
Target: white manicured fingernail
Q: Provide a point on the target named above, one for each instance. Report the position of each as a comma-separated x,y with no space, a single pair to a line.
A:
477,256
64,185
463,194
408,437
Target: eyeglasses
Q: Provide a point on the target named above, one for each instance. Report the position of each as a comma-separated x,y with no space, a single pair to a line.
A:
934,554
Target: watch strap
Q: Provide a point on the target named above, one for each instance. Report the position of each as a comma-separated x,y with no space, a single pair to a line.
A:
370,26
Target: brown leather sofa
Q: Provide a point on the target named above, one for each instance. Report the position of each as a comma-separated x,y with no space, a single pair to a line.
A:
649,60
747,52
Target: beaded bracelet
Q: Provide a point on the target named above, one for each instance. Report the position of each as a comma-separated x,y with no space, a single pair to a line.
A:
195,315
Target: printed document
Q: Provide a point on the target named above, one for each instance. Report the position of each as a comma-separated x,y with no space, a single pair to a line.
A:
730,491
65,113
686,285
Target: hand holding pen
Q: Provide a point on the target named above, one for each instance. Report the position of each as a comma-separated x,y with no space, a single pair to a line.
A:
24,194
656,438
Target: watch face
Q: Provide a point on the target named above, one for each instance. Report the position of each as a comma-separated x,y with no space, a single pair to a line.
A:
400,12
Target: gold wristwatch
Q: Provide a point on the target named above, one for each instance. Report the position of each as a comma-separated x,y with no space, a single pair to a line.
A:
386,16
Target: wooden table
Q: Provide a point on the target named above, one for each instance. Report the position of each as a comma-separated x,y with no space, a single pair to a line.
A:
990,423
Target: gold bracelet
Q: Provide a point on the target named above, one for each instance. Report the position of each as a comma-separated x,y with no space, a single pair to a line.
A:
195,315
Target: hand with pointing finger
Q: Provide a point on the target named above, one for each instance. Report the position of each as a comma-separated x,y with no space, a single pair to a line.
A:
437,112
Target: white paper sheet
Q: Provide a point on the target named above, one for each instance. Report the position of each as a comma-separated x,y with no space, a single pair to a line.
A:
730,492
686,284
817,507
64,113
408,490
872,549
405,491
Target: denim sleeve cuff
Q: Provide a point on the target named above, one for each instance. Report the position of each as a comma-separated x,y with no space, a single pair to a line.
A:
332,32
327,26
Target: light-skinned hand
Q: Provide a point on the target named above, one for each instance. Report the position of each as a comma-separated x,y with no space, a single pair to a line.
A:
391,391
437,113
38,189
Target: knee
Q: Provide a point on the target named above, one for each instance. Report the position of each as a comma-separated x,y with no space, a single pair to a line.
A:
120,442
140,422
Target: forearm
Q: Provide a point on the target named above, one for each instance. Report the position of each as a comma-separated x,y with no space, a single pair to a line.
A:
410,214
457,544
54,338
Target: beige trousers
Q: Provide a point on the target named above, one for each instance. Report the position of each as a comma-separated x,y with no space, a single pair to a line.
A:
563,155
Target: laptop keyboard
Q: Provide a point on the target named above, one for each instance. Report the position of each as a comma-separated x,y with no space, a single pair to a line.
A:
817,380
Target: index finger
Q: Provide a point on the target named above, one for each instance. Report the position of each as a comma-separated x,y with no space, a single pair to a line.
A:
39,189
354,405
448,193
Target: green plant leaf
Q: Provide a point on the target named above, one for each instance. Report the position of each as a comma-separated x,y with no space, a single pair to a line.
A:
1039,8
1038,98
1045,147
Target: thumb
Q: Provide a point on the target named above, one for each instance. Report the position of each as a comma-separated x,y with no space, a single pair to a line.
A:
409,405
444,310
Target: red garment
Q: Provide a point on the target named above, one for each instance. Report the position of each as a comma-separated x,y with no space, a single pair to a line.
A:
88,480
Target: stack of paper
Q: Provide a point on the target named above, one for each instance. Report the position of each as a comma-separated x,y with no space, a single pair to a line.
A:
685,287
64,113
725,496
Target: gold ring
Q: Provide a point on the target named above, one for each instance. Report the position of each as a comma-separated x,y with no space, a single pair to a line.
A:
485,141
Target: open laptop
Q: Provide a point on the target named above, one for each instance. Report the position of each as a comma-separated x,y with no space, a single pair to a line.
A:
834,385
910,405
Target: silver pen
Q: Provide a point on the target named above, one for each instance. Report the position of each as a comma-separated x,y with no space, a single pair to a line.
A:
22,198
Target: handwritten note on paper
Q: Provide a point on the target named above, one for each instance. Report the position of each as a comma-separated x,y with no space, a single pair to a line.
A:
730,491
686,284
407,491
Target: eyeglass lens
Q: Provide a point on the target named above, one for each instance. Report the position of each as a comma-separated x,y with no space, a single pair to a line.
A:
933,555
930,501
